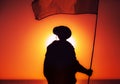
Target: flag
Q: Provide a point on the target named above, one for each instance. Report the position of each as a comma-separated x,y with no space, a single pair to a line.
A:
45,8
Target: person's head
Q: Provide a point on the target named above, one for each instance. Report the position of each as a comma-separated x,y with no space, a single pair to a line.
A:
63,32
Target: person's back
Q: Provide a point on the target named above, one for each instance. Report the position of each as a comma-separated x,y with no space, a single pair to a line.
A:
59,63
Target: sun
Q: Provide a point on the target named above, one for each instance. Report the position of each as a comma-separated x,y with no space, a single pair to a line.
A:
53,37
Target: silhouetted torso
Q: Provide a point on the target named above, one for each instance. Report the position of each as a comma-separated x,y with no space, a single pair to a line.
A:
60,63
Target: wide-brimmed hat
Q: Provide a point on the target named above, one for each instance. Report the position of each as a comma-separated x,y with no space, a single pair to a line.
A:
63,31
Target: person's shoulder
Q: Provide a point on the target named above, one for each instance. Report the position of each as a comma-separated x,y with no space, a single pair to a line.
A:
69,44
54,43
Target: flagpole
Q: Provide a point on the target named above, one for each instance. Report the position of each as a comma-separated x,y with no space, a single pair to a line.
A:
94,39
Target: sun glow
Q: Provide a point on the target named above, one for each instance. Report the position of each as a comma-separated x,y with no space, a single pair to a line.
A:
50,39
53,37
72,41
38,38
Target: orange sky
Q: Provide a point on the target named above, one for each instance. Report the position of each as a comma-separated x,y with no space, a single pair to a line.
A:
23,40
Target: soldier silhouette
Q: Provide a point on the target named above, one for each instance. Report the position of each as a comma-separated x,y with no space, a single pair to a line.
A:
60,63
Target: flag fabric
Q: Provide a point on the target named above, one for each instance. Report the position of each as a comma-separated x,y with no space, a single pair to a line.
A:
45,8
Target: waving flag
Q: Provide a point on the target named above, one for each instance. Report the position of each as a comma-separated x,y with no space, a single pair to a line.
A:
45,8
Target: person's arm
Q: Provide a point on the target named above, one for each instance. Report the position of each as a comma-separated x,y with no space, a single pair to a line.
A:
79,67
82,69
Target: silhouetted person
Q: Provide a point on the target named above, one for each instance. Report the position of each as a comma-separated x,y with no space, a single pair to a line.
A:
60,63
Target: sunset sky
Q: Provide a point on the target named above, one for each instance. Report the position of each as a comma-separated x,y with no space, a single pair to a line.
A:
23,40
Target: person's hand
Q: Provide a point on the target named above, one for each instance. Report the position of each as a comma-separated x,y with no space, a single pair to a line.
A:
89,72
